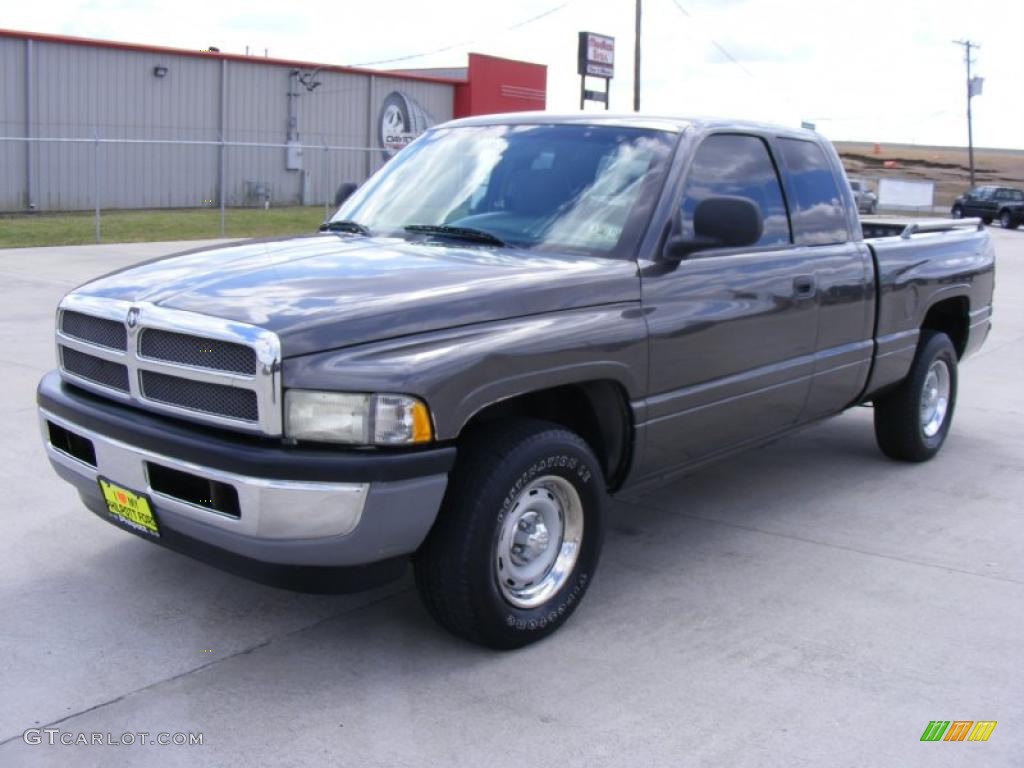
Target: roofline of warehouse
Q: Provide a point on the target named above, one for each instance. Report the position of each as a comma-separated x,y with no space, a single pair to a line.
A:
45,37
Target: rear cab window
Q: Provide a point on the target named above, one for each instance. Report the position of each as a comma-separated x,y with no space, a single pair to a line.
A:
816,207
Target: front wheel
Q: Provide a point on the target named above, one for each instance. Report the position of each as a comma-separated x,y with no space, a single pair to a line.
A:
912,421
958,212
518,537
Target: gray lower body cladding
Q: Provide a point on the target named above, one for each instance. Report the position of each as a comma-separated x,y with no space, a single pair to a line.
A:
315,520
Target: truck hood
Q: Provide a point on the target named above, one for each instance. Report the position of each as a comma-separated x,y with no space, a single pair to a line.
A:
326,291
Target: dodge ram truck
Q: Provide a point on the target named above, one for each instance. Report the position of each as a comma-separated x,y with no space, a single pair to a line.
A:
515,319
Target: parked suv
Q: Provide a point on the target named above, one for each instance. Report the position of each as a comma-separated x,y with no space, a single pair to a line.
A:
991,203
867,201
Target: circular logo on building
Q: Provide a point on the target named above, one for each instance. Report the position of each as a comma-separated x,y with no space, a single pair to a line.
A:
400,121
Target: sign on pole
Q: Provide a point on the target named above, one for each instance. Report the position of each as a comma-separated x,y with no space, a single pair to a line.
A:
596,55
595,58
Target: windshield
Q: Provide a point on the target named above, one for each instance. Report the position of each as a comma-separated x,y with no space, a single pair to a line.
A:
542,187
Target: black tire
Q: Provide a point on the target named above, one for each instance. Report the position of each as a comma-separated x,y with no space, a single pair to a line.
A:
344,192
1007,220
898,419
457,567
957,212
986,220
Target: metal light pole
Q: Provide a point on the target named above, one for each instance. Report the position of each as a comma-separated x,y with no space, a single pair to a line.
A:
636,61
967,44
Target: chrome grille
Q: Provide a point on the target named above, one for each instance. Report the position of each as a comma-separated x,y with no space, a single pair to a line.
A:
171,361
196,351
230,402
95,369
97,330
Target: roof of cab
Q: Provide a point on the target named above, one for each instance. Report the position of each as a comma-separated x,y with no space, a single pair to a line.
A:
670,123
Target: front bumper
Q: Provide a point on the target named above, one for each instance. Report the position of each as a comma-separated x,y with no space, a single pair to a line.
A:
295,507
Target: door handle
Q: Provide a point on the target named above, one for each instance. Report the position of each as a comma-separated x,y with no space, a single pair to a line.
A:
803,286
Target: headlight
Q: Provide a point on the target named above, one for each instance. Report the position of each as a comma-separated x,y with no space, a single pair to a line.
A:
337,417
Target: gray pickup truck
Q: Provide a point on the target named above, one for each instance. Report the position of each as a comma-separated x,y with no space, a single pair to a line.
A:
515,318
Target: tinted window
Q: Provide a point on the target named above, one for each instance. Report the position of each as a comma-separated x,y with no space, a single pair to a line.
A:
818,214
1015,194
738,166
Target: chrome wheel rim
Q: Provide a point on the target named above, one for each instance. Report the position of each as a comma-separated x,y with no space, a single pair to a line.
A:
935,398
539,541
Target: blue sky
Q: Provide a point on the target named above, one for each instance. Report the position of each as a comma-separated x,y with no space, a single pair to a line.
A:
863,70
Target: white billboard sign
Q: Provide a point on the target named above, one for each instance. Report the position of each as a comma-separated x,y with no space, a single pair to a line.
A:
897,193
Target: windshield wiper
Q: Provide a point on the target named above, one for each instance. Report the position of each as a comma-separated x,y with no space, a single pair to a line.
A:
458,233
344,225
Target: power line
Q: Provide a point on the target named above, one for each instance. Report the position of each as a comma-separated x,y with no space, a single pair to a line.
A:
464,43
721,48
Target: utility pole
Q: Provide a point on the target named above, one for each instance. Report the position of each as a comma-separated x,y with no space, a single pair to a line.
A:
636,61
967,45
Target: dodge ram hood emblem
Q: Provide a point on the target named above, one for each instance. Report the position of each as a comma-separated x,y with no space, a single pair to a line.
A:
133,317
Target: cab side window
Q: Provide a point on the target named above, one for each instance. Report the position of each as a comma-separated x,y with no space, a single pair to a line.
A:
819,217
737,166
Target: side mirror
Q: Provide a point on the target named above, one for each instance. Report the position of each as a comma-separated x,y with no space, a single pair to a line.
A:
718,222
344,193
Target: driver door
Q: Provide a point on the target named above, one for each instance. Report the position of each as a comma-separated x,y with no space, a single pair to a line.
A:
732,332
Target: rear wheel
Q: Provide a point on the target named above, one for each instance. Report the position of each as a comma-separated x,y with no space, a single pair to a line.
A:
1007,220
912,421
518,537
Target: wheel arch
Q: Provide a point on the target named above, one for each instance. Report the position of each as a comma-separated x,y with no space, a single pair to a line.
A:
951,316
597,410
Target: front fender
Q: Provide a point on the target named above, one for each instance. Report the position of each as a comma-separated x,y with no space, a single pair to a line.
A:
460,371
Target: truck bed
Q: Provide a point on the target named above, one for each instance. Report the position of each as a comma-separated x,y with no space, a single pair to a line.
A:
919,263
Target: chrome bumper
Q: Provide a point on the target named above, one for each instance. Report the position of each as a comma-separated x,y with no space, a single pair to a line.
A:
279,521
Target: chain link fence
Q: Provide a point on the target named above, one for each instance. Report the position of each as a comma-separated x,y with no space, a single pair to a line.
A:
100,174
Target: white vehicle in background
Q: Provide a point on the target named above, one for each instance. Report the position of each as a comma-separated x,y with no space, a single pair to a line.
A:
867,201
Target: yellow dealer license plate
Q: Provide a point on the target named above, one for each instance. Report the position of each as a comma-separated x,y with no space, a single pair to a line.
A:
129,508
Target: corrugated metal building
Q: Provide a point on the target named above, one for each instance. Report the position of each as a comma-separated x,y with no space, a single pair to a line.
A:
340,123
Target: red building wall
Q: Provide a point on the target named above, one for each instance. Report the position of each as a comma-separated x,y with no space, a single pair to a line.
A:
500,85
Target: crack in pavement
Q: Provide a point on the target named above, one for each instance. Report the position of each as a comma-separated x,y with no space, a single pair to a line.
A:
207,665
843,547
